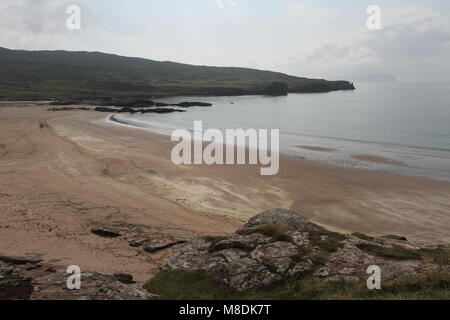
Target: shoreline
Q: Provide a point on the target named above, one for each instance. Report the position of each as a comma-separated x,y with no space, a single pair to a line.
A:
332,156
76,173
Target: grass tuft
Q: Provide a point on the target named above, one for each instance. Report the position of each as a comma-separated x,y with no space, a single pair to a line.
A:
438,255
192,285
363,236
214,239
395,252
198,285
326,240
320,258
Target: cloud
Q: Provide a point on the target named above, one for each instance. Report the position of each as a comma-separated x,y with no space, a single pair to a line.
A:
309,13
414,42
224,4
41,24
33,16
411,40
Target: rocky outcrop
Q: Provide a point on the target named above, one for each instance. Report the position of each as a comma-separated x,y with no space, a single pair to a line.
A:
155,246
105,233
106,102
22,279
69,109
280,244
119,110
321,86
122,104
126,105
395,237
132,110
124,278
186,104
129,103
13,285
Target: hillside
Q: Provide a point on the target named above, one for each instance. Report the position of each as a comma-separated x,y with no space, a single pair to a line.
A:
62,74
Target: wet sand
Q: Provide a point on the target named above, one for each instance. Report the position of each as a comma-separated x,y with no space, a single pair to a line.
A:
378,159
65,173
317,148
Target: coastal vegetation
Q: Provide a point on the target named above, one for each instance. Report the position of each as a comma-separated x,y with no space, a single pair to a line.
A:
199,285
394,252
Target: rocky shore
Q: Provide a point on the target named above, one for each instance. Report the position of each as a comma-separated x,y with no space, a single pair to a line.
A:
125,106
129,103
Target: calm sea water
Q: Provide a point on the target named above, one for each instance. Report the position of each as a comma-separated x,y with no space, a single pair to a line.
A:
407,122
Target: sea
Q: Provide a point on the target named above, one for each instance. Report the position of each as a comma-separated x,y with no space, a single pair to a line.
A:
408,123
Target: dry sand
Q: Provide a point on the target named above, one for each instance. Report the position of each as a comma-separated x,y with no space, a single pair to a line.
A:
64,173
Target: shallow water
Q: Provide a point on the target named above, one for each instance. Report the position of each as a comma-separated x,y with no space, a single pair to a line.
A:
405,122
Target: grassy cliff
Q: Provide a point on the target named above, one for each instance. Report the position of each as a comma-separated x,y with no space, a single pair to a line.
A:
61,75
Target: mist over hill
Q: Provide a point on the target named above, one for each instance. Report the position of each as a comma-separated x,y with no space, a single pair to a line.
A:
62,74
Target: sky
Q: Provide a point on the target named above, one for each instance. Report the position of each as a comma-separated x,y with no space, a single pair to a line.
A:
320,39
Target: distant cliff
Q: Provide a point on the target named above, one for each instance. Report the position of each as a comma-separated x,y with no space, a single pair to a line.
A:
41,75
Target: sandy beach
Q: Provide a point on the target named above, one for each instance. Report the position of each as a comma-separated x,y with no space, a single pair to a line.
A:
66,173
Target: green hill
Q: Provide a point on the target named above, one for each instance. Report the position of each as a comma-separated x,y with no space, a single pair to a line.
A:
63,74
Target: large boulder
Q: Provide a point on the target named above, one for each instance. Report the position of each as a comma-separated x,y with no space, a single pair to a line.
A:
287,219
265,251
279,244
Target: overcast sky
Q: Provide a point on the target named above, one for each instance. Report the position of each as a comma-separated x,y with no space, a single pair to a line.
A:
326,39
